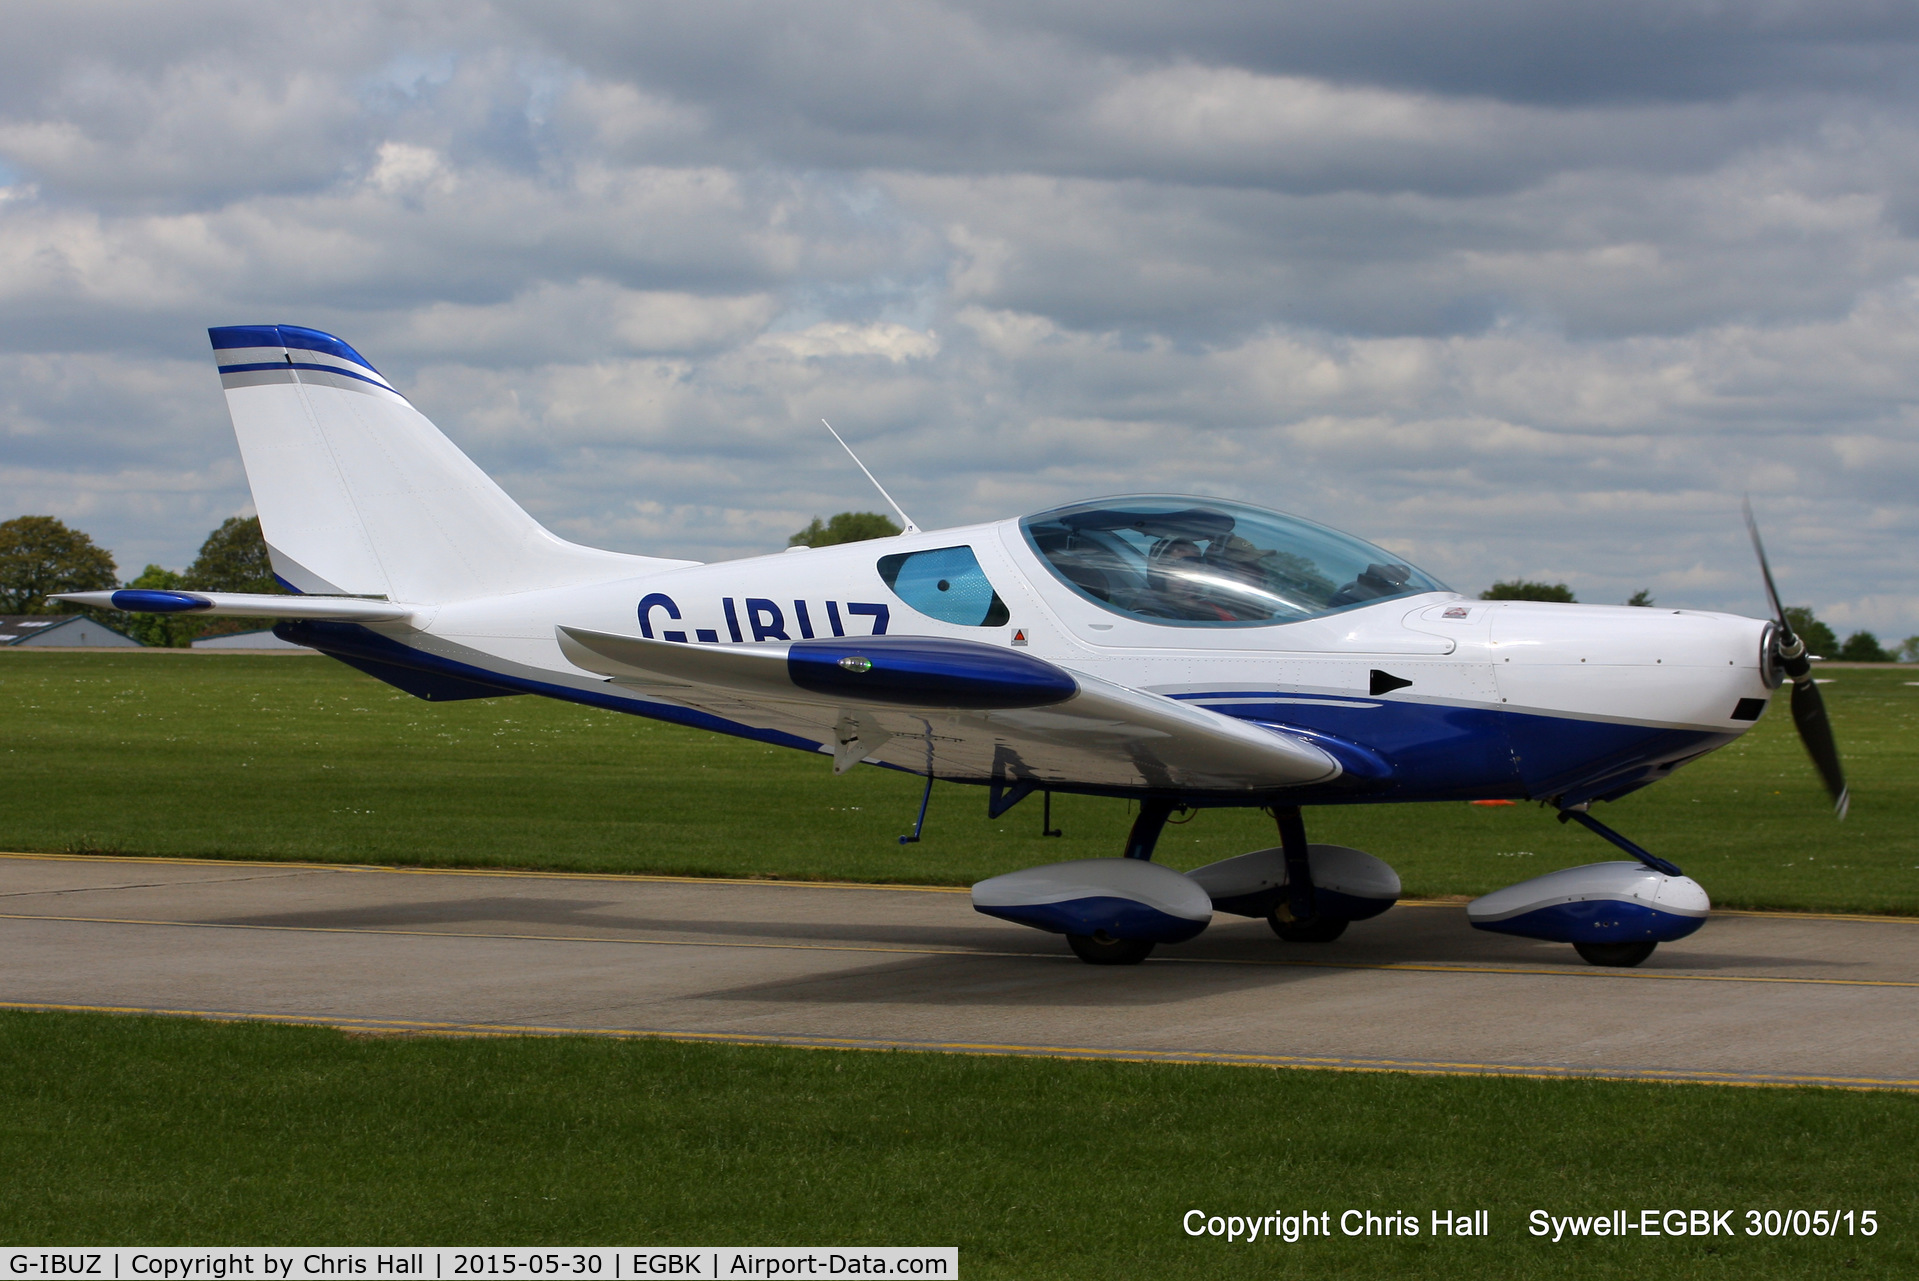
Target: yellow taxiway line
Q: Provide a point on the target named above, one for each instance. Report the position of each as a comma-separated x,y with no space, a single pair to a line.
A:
1429,1067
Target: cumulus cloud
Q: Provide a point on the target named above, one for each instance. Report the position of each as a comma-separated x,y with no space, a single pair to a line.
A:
1514,288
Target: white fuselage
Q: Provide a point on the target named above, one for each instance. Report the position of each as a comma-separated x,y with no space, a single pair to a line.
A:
1563,671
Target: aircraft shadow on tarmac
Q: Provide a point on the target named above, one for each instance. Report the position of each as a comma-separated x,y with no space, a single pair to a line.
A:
1232,938
590,915
1415,937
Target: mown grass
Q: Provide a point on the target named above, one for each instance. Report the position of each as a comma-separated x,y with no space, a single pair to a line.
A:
303,758
156,1131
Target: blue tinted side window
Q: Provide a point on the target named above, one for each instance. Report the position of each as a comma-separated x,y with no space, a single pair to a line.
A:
945,583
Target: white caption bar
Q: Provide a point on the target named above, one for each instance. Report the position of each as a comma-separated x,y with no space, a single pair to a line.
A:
450,1263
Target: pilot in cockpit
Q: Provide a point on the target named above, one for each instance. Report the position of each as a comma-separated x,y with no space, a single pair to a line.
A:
1176,578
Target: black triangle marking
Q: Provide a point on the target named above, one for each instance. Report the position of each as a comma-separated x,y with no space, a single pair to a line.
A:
1386,682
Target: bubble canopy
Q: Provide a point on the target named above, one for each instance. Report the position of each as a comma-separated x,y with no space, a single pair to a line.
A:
1202,562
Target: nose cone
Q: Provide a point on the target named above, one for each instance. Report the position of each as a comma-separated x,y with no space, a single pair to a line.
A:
1678,668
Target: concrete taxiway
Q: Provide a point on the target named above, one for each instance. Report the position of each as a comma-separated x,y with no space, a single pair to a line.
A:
1751,999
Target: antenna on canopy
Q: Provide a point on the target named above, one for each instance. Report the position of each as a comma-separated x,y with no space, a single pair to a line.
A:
911,528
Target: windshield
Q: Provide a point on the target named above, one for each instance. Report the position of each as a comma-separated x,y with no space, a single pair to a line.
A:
1200,562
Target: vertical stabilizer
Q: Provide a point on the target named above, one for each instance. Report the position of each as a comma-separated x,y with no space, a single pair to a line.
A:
359,494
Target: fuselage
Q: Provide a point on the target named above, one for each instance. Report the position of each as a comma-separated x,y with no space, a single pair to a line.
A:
1424,695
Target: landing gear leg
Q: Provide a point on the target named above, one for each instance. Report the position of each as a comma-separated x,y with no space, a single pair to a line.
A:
1296,918
1153,813
1101,948
1577,814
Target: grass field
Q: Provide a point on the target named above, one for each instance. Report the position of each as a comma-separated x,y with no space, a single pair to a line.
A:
156,1132
303,758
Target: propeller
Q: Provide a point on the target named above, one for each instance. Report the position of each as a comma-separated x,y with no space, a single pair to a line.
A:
1788,653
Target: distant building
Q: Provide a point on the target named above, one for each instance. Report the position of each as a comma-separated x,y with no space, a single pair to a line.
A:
263,639
59,629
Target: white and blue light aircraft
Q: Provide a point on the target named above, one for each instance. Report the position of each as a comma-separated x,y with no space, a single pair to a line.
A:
1182,652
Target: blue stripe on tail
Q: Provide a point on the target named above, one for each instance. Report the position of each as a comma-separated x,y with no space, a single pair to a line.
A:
294,336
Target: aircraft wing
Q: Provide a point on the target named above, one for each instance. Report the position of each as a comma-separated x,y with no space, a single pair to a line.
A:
972,711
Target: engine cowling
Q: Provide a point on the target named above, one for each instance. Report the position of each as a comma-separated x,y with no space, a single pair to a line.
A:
1123,898
1624,902
1347,883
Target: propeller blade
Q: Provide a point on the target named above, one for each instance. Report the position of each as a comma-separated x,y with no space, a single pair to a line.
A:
1808,705
1815,731
1765,571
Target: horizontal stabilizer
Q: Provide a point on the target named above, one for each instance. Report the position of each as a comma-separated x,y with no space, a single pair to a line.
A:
136,600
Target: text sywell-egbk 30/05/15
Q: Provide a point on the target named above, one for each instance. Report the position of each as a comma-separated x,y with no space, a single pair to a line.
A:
1706,1223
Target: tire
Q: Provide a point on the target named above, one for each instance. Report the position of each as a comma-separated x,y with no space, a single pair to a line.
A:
1621,955
1103,949
1321,929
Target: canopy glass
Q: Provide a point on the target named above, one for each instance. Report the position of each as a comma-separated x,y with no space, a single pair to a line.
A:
1202,562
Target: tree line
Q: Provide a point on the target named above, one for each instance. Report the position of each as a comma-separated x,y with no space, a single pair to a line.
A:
40,555
1821,640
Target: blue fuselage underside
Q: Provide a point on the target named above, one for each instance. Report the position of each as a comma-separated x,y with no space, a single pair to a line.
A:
1433,752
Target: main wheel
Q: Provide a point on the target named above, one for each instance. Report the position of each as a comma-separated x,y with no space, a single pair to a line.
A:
1101,948
1321,929
1623,955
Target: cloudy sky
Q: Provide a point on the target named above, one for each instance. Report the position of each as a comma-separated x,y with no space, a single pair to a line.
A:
1515,287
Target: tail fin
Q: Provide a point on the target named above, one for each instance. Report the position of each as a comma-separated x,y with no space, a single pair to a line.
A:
360,495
